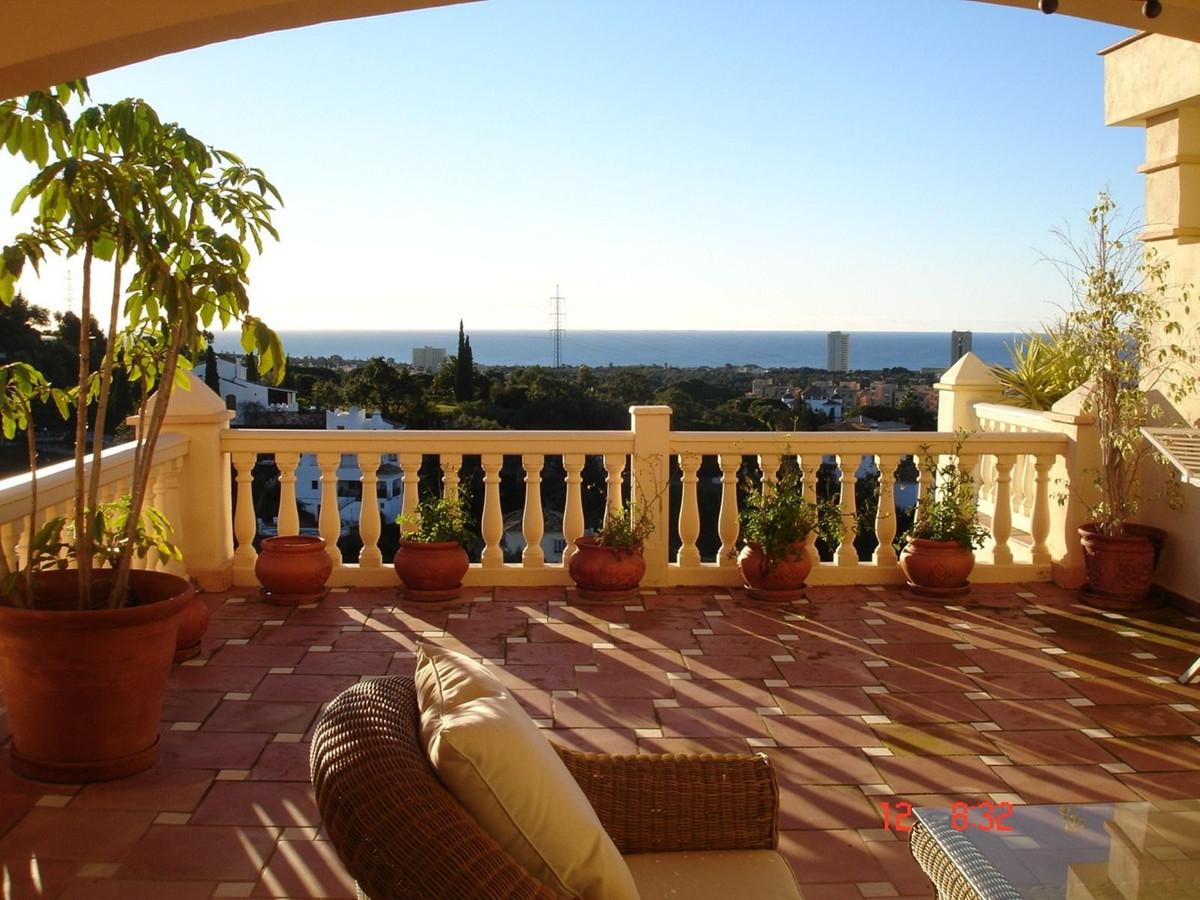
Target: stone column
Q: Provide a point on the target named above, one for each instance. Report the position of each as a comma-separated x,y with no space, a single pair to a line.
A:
650,470
967,382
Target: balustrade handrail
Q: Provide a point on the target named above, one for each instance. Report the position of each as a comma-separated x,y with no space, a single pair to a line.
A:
1004,414
711,443
56,483
267,440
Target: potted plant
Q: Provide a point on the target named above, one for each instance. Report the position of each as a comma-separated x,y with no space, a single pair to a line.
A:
292,569
776,523
939,549
609,565
1123,331
86,640
432,558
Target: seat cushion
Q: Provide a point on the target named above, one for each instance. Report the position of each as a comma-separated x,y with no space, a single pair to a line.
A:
713,875
499,766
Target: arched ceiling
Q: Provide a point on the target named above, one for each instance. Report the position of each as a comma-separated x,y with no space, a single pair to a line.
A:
43,42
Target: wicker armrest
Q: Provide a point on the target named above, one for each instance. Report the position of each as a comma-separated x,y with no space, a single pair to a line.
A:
665,802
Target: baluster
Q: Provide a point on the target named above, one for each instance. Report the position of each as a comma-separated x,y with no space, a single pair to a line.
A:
1040,526
885,515
727,524
573,509
451,463
288,521
1002,515
20,536
769,463
411,489
847,555
369,524
614,465
8,546
532,524
810,466
245,524
924,486
329,519
493,521
969,463
167,500
1028,490
689,511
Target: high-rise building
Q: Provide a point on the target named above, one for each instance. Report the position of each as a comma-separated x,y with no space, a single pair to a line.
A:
837,355
960,345
429,359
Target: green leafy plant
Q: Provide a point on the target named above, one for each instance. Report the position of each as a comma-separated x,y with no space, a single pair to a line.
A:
1043,369
171,216
778,517
1126,340
439,520
947,511
628,529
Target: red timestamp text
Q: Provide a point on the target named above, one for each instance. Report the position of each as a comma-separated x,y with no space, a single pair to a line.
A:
985,816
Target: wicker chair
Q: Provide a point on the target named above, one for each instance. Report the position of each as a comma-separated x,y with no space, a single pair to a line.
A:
401,834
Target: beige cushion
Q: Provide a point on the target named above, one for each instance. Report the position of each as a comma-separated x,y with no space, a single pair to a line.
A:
499,766
713,875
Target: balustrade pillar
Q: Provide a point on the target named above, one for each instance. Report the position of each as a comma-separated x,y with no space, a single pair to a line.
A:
288,520
885,515
451,464
1040,526
533,525
369,525
809,467
329,519
649,483
847,554
245,523
769,464
614,465
689,511
1002,514
492,525
166,499
573,508
410,464
727,524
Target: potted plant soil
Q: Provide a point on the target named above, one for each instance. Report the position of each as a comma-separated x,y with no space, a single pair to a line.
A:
292,569
776,523
1124,334
608,565
939,549
432,558
86,638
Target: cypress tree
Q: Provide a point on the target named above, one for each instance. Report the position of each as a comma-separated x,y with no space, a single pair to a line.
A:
466,365
250,361
211,377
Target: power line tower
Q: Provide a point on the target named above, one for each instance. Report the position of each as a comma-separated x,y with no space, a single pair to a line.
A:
556,316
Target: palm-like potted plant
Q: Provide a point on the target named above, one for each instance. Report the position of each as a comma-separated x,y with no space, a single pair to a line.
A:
939,549
1124,333
776,523
609,564
86,639
432,558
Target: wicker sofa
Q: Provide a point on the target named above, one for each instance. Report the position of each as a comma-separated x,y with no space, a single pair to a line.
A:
688,825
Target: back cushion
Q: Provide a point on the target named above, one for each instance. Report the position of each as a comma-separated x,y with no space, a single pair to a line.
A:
497,764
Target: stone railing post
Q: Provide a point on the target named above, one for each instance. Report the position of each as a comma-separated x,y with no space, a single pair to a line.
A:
967,382
1072,487
204,525
650,468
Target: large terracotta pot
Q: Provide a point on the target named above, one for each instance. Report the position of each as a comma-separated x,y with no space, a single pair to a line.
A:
779,579
605,573
431,571
85,688
293,569
937,568
1120,570
193,623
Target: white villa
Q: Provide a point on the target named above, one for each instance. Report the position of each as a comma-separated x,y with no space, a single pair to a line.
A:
238,391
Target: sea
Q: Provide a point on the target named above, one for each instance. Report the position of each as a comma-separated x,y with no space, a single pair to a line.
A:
683,349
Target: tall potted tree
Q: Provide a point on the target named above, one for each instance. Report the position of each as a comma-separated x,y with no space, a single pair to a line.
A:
84,653
1124,336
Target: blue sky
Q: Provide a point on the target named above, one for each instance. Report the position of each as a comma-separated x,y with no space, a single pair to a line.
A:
741,164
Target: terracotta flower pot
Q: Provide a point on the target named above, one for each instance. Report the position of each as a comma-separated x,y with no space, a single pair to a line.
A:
431,571
605,573
293,569
780,579
193,622
937,568
85,688
1120,570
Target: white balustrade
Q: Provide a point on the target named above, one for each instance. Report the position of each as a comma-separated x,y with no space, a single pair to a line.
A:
573,508
728,524
689,511
532,524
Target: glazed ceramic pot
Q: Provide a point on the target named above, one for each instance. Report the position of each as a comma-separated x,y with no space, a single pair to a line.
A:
937,568
293,569
84,688
1120,570
605,573
431,571
779,579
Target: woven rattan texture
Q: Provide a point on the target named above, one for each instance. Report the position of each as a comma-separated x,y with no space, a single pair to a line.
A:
661,803
398,831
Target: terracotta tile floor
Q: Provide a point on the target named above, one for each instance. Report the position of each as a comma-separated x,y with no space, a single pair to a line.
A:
860,696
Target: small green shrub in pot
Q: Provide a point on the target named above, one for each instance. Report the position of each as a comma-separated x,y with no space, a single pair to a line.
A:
776,522
432,558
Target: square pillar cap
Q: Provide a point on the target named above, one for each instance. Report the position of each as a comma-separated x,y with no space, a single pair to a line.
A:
969,371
